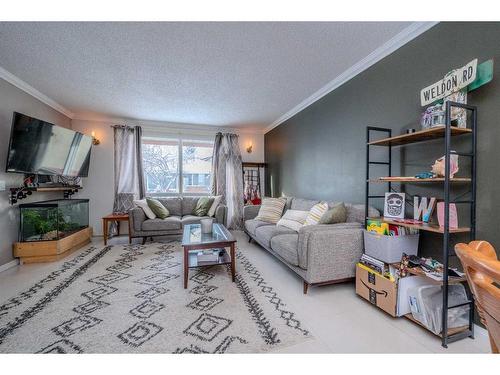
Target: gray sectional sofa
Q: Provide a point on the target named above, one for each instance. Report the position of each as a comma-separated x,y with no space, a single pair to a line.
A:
181,213
320,254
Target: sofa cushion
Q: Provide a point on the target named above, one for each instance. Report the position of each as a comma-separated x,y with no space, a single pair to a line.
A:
285,245
303,204
192,219
293,219
215,204
202,206
173,205
252,224
356,213
266,232
271,210
143,204
335,214
159,209
170,223
316,213
188,205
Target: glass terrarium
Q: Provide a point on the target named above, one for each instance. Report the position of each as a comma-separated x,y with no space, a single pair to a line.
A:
53,220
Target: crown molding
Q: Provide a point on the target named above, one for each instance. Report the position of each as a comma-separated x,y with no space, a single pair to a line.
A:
399,40
20,84
165,126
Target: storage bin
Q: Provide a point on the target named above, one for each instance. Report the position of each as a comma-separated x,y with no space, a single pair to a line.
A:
389,249
426,303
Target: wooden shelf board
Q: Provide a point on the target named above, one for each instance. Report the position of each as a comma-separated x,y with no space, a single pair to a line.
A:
421,226
418,272
419,136
419,180
56,188
451,331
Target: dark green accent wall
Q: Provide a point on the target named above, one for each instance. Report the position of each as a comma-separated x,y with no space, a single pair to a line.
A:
320,152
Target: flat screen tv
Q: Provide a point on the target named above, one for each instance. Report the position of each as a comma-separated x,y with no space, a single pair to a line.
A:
39,147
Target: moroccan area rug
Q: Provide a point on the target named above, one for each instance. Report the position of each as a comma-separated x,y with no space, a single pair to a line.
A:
130,299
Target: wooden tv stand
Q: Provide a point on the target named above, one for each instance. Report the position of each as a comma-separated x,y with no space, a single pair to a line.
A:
50,251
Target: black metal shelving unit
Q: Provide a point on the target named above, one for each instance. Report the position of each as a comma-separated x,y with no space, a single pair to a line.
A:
444,132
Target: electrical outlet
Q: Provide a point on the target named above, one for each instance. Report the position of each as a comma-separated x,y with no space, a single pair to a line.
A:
2,185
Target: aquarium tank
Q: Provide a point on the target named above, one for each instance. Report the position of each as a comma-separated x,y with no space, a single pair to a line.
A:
53,220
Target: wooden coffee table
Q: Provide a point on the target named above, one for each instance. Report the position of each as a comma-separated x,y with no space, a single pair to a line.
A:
219,239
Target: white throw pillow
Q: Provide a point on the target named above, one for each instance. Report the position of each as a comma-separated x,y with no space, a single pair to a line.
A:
316,212
144,205
293,219
271,210
213,207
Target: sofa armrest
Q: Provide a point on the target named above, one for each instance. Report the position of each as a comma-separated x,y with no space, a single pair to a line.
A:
330,252
136,217
250,212
221,214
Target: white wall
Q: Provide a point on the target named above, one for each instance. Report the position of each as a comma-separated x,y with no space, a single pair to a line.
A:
13,99
99,185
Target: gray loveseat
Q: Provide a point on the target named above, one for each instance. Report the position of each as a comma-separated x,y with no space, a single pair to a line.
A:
320,254
181,213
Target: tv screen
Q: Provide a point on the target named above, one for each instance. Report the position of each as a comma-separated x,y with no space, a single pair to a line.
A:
39,147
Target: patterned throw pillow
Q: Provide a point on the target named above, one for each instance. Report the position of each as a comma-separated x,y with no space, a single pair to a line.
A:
337,214
203,205
293,219
217,200
158,208
144,205
271,210
315,214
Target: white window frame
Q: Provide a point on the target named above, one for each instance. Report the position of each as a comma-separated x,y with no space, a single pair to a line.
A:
180,139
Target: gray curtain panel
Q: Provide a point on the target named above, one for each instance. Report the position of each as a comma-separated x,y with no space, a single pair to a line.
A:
129,176
227,177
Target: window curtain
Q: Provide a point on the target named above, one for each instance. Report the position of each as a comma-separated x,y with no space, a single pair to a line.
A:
129,175
227,177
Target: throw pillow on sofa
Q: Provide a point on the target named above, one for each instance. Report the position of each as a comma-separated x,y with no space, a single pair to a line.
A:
316,212
293,219
336,214
141,203
271,210
158,208
204,204
215,204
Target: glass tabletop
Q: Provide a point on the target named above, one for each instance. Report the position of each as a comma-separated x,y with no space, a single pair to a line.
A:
192,235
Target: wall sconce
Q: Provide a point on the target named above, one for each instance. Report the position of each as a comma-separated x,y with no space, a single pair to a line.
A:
249,148
95,141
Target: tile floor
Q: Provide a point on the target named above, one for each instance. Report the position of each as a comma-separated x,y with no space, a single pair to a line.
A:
340,321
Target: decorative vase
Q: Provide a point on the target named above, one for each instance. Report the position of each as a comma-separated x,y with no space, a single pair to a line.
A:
206,225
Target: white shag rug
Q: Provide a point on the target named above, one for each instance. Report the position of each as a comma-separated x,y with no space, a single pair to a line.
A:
130,299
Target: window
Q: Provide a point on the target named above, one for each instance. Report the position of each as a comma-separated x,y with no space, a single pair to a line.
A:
196,166
165,159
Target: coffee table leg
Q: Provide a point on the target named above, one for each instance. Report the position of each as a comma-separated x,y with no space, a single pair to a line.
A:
233,267
186,269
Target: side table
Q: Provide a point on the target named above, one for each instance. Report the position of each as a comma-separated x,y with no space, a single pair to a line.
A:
114,217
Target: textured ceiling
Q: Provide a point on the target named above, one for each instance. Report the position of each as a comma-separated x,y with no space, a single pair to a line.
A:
222,74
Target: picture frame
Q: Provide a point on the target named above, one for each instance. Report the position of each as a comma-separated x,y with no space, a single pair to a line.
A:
394,205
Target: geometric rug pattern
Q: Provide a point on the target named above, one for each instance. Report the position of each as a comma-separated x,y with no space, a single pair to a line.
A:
130,299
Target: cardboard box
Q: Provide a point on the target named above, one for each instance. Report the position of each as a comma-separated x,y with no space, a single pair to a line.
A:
375,288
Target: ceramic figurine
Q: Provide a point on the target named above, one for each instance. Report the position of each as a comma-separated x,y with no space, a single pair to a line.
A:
439,167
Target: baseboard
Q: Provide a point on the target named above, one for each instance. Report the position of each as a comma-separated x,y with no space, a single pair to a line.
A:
6,266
